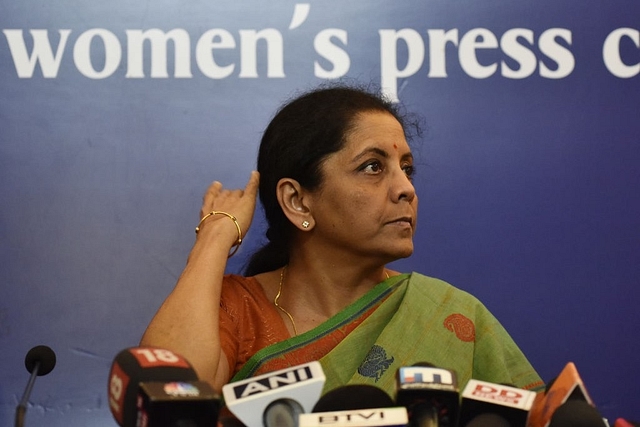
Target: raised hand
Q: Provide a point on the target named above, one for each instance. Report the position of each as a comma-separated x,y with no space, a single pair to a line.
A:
238,206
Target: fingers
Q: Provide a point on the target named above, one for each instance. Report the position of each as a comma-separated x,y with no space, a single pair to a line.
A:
251,189
209,196
217,195
213,190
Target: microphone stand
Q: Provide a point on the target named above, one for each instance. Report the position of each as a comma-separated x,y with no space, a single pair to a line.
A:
21,409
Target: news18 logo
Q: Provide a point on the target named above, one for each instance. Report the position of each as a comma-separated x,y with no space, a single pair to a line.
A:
118,382
154,357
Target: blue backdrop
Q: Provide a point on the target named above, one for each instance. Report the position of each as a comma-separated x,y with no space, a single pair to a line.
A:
115,117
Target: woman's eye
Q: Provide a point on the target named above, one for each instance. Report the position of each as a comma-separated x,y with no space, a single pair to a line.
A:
409,170
372,167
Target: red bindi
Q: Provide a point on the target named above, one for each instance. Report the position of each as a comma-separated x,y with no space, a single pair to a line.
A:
395,146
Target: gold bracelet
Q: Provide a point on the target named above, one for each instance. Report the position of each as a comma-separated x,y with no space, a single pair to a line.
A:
236,245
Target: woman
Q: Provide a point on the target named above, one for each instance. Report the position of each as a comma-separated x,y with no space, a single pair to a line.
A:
335,180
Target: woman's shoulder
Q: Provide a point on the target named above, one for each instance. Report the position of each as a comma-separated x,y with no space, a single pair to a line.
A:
237,289
239,283
449,302
443,294
244,297
257,291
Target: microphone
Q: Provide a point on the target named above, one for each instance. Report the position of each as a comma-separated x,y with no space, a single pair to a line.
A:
489,404
577,413
276,398
229,421
39,361
155,387
355,405
567,385
353,396
429,394
488,420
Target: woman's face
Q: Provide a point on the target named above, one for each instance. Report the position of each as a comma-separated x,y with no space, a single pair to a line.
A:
366,204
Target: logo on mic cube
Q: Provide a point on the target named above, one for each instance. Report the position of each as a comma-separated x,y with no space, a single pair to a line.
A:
118,383
248,399
382,417
168,404
510,403
412,377
497,393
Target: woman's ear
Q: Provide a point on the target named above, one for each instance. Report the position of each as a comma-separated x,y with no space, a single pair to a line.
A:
291,197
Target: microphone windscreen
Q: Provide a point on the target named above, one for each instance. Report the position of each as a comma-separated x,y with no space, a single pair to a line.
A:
353,396
282,413
229,421
142,364
43,355
576,413
488,420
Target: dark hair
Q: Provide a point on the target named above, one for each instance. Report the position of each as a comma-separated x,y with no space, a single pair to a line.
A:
299,138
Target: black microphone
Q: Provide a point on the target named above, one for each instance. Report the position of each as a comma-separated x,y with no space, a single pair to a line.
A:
353,396
228,420
568,385
39,361
430,395
576,413
355,405
155,387
486,404
488,419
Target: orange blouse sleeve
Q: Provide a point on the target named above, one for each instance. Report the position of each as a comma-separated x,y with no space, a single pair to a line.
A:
249,322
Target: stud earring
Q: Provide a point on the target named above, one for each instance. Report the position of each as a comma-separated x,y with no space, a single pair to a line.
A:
305,224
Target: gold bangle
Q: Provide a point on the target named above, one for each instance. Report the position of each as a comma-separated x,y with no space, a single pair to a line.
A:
237,243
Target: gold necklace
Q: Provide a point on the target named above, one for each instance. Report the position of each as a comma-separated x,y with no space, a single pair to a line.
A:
275,300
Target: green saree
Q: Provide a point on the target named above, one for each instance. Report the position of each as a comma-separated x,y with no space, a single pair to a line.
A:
404,320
